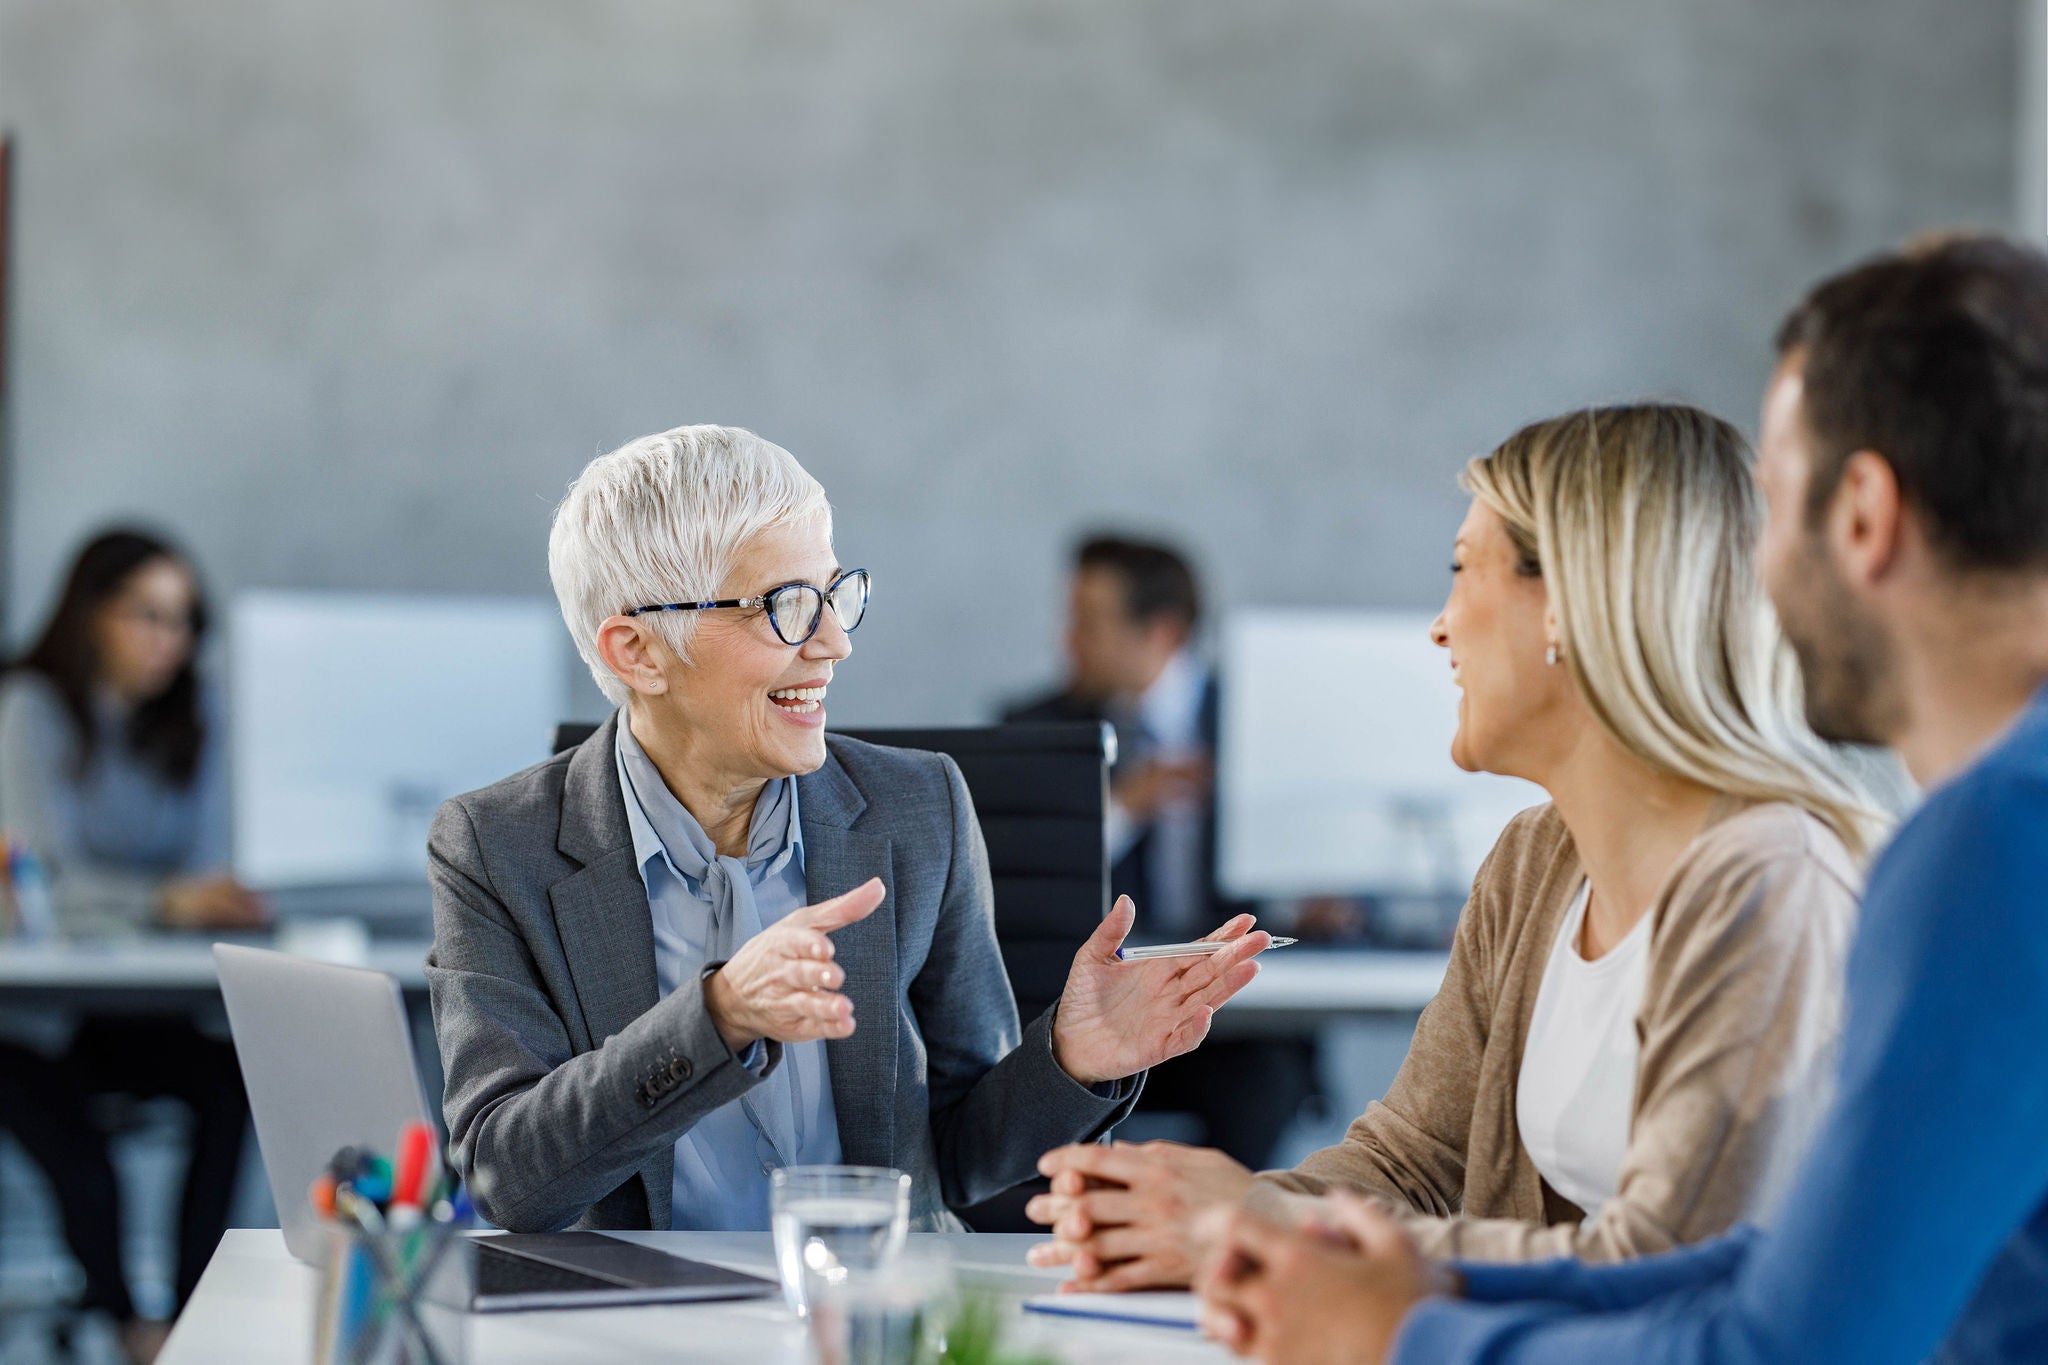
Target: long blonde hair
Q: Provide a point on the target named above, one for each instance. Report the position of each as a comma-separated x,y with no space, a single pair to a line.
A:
1643,521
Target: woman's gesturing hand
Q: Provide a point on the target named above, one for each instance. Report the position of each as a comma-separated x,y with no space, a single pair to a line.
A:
783,984
1130,1215
1116,1018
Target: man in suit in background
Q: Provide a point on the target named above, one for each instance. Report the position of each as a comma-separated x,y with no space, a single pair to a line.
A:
1132,611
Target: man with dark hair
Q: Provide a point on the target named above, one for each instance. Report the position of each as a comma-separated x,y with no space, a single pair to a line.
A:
1904,461
1133,607
1157,583
1132,611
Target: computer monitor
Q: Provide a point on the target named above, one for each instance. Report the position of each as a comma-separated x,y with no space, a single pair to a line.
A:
353,716
1334,771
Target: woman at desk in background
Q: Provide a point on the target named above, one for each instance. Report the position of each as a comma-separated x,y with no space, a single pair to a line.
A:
111,777
709,941
1633,1039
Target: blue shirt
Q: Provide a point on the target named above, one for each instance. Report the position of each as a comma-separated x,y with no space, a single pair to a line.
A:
1918,1227
722,1164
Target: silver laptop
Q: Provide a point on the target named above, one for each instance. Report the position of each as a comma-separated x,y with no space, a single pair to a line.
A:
327,1060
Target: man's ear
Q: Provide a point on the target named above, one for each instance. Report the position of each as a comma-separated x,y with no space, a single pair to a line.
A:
633,655
1171,635
1865,522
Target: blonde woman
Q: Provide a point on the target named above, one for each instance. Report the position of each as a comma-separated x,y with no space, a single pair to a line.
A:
1633,1038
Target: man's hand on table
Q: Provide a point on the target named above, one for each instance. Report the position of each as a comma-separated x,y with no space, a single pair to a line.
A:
1332,1291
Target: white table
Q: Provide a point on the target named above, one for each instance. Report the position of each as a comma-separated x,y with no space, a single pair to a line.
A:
255,1304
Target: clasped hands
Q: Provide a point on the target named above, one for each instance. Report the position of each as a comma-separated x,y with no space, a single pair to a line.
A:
1334,1286
1115,1018
1332,1290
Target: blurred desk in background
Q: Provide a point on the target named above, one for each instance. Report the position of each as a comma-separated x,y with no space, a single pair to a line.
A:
173,974
1301,987
152,973
1296,987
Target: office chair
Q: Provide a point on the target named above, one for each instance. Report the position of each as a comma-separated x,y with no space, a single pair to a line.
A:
1041,795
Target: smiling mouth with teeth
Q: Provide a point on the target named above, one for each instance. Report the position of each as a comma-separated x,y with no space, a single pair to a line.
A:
799,701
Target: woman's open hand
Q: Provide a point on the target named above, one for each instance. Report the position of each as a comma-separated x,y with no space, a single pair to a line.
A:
783,984
1117,1018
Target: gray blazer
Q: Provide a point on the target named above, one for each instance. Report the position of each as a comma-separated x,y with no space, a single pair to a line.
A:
569,1080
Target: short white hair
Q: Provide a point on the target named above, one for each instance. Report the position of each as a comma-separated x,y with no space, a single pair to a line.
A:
662,519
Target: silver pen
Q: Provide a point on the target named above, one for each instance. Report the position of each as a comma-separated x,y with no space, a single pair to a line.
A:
1202,949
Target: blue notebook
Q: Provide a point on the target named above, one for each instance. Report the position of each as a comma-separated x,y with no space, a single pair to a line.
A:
1180,1311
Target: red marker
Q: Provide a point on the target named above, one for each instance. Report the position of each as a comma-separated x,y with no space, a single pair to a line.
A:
409,1175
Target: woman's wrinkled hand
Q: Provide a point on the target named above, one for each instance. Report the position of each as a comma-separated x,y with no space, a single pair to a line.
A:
1117,1018
782,984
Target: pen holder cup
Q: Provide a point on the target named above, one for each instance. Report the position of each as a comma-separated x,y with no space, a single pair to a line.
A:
395,1296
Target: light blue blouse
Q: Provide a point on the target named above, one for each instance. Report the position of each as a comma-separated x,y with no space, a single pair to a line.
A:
723,1164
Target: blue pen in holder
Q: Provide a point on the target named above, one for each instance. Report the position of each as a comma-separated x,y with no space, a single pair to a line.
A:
396,1289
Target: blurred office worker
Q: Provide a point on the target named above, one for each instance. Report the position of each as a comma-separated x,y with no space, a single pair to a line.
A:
711,941
1905,462
112,779
1133,607
1633,1038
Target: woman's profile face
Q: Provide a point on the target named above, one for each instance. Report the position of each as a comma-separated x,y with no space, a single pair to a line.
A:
733,696
1494,626
142,635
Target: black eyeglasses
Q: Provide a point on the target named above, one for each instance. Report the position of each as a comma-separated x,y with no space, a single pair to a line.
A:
794,609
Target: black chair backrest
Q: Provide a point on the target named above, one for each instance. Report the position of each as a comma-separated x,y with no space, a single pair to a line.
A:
1041,793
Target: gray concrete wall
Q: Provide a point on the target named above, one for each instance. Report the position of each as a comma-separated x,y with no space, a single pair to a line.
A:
2031,142
346,293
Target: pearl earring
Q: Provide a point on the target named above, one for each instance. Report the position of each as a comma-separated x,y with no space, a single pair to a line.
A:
1550,656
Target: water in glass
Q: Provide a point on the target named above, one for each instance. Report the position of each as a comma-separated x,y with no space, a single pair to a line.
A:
831,1221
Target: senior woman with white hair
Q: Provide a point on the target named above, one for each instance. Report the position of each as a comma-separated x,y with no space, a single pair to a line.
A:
711,941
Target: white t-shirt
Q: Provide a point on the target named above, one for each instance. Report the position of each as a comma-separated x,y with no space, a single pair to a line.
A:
1576,1094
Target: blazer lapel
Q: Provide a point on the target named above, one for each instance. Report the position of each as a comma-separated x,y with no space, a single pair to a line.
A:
602,919
607,935
601,912
837,858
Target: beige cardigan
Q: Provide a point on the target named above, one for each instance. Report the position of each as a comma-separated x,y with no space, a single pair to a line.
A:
1741,1007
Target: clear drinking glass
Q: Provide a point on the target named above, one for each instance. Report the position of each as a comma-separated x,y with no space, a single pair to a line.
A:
831,1221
